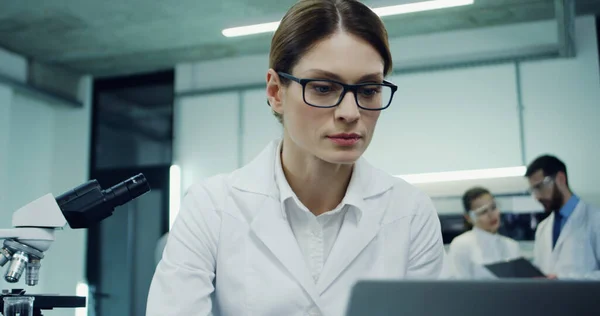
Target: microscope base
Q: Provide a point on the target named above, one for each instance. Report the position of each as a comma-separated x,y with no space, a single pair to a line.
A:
45,301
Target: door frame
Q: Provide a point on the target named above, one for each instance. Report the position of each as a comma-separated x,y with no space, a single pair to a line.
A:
158,177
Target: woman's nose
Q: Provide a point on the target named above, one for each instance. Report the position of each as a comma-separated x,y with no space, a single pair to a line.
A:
348,110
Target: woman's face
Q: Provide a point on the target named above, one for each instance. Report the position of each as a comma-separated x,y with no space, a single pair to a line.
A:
487,215
337,135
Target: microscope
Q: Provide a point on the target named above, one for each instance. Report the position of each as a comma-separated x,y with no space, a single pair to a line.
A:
34,226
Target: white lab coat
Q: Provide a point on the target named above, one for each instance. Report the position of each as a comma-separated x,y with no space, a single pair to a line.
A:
160,247
469,252
231,252
577,251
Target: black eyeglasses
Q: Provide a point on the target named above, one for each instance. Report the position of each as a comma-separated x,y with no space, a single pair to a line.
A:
324,93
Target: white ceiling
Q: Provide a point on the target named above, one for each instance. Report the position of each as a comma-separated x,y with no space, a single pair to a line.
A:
113,37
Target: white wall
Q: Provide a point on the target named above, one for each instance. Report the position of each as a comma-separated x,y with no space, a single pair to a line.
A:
44,148
13,66
562,108
206,135
6,96
461,118
258,124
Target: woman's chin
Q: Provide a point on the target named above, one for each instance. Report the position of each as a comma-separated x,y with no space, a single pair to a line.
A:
495,228
342,157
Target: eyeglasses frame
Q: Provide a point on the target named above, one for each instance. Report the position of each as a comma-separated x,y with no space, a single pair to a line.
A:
347,87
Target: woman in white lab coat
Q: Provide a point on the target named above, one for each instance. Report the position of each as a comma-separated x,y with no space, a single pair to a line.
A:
293,231
481,245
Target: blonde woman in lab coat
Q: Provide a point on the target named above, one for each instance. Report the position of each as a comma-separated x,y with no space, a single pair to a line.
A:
295,229
481,245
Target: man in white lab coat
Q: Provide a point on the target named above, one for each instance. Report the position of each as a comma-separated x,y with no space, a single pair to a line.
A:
567,242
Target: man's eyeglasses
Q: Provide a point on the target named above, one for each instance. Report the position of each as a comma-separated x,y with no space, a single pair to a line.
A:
541,186
324,93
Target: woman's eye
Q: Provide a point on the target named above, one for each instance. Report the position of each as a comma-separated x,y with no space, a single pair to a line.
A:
369,91
322,88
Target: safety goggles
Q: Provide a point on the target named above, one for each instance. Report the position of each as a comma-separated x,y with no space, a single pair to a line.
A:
542,186
484,210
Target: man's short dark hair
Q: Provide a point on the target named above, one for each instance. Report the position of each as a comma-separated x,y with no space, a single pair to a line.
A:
471,195
550,166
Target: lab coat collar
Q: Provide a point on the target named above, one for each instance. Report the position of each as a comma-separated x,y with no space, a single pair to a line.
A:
576,219
285,191
259,177
485,235
352,197
275,233
269,224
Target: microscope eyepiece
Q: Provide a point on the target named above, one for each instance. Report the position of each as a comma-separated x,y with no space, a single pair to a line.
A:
126,190
89,204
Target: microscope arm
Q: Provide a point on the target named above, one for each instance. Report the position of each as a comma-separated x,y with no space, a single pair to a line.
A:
43,212
36,237
32,235
35,223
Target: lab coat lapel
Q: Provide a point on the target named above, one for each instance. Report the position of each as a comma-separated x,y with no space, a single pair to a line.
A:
575,220
275,233
266,218
351,241
545,244
361,226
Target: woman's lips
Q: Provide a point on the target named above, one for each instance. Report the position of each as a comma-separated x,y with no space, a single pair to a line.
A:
345,139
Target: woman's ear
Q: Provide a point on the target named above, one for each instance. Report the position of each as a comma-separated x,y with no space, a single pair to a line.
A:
468,219
274,91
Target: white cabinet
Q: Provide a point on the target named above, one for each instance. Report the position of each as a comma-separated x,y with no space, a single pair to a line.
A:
206,140
456,119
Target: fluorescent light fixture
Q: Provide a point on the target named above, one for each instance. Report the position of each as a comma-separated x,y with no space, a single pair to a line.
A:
174,193
82,289
251,29
465,175
420,6
381,11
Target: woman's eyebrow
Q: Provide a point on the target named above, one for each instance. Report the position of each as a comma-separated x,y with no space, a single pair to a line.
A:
371,77
376,76
324,73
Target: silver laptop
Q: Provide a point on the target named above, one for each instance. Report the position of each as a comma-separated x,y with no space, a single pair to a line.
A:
504,297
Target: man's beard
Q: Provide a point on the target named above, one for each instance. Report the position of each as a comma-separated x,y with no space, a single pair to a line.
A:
556,202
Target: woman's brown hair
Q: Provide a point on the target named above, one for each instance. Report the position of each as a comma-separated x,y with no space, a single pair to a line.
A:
311,21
